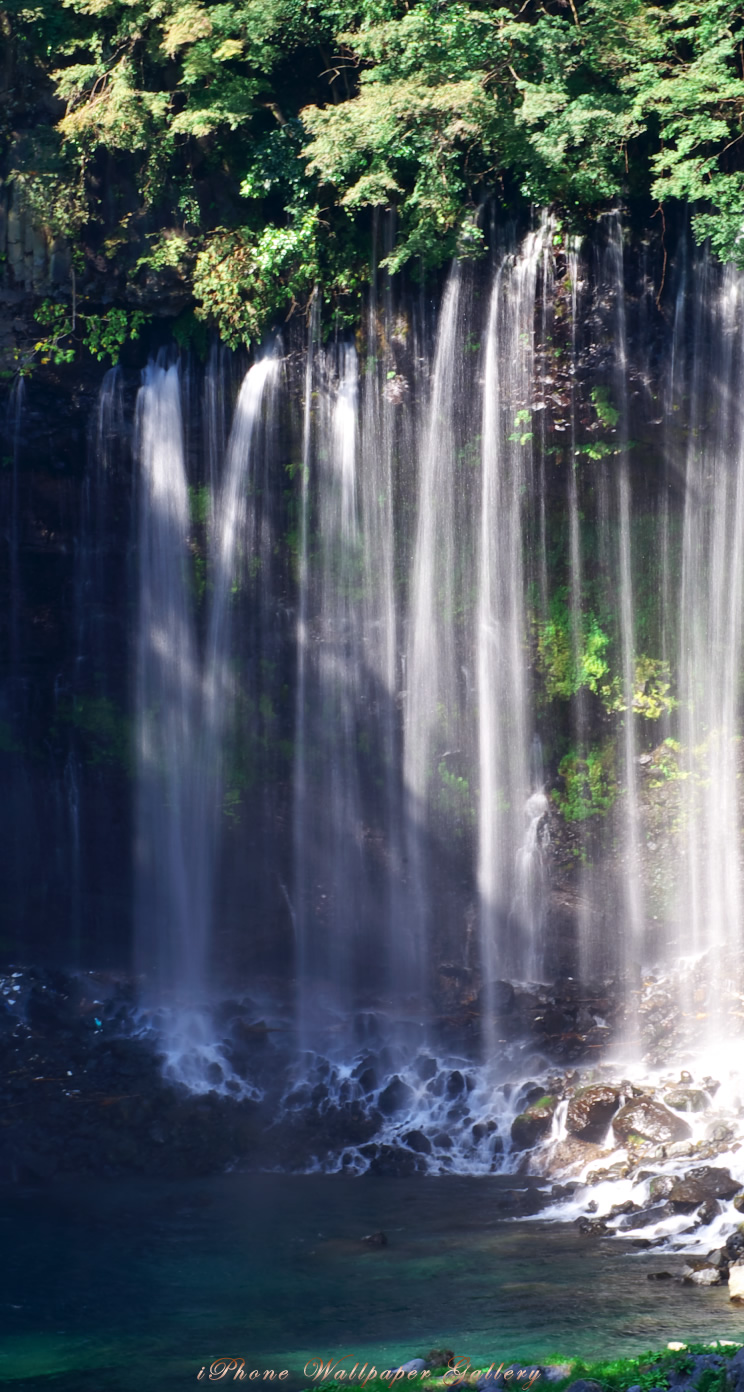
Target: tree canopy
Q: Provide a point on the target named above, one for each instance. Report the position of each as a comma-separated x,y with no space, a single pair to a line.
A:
240,144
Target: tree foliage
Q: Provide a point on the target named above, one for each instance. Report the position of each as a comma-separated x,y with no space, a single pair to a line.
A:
246,140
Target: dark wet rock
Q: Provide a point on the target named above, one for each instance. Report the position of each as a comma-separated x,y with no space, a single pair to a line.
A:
619,1210
418,1142
593,1227
455,1083
483,1128
396,1162
439,1357
591,1110
375,1239
713,1181
533,1124
367,1080
553,1023
735,1373
708,1210
499,995
645,1218
425,1068
650,1121
255,1032
442,1141
395,1097
659,1276
739,1201
686,1100
531,1092
734,1244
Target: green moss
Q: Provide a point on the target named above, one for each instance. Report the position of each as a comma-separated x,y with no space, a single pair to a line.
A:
589,783
570,660
646,1370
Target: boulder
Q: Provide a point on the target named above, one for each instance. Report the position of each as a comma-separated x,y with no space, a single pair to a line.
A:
501,995
680,1150
708,1210
686,1100
715,1183
649,1120
736,1293
593,1227
395,1096
661,1186
739,1202
584,1385
645,1218
396,1162
573,1154
735,1369
591,1110
418,1142
701,1275
533,1124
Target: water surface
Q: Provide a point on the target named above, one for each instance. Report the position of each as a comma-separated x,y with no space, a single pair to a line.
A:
137,1285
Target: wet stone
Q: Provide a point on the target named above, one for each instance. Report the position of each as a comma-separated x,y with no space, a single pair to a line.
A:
686,1100
395,1097
650,1121
425,1068
591,1110
418,1142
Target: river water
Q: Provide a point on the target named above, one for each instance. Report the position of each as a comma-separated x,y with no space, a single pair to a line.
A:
140,1285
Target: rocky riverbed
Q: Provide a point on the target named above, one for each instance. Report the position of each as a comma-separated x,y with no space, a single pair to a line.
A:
93,1084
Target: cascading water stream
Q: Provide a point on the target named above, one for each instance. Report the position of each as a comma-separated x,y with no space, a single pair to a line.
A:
432,712
183,707
172,893
509,892
710,637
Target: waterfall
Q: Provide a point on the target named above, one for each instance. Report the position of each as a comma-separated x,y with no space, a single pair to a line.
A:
300,805
710,650
172,908
184,701
432,712
508,874
633,943
384,406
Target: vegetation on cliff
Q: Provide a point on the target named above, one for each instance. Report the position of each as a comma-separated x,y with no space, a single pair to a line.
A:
236,147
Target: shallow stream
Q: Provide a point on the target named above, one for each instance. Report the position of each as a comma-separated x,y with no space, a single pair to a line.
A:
138,1285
